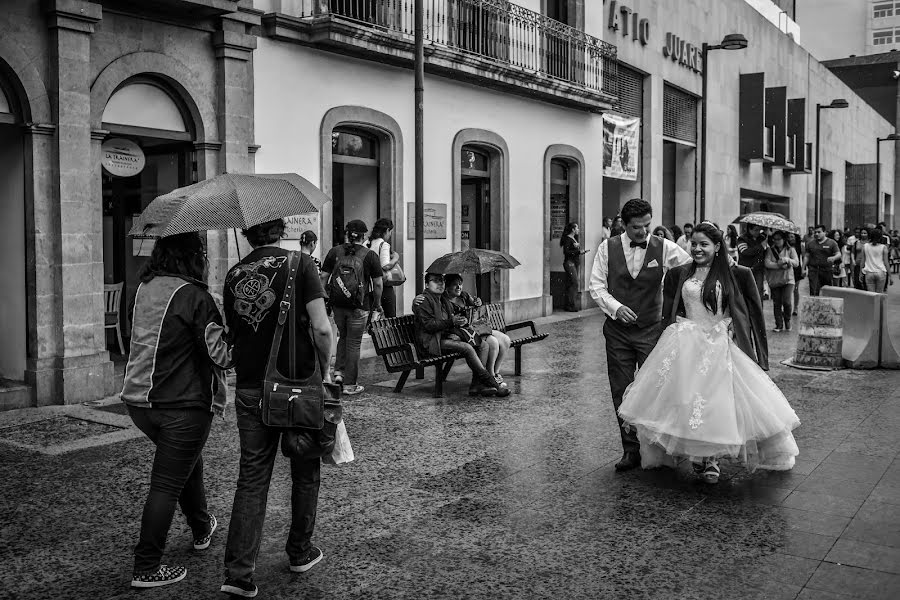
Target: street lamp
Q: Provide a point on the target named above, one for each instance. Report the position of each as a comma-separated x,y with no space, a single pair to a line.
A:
836,103
732,41
892,137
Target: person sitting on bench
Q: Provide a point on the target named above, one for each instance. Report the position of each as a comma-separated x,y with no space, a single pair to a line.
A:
438,330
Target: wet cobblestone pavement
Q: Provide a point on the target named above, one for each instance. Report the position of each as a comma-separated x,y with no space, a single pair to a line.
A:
501,498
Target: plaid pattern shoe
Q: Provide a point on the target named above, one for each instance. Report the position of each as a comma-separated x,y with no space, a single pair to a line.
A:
203,543
163,576
313,557
239,588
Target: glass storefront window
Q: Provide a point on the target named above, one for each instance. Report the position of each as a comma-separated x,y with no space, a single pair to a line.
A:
345,143
475,161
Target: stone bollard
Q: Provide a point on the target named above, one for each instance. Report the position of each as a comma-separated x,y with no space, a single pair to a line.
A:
820,331
862,325
889,358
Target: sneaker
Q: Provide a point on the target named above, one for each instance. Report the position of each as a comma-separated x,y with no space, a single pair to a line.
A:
711,471
239,588
778,330
499,379
338,379
502,392
163,576
203,543
353,389
313,557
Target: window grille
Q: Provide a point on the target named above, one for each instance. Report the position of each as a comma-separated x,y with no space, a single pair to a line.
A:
631,92
679,115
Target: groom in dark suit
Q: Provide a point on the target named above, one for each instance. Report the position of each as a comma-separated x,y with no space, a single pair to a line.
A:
626,281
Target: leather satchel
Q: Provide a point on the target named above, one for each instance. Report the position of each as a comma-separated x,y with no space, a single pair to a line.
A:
289,401
394,276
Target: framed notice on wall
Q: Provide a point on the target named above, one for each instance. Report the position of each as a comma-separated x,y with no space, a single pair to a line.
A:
620,146
435,221
559,215
297,224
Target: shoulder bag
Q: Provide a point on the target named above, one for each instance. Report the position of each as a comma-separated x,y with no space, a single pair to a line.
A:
394,275
289,401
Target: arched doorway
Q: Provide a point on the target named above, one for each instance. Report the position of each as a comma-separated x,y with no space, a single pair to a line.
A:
14,317
475,213
563,203
148,151
355,189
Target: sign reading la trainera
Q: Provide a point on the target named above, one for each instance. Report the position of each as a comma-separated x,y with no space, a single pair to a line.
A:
121,157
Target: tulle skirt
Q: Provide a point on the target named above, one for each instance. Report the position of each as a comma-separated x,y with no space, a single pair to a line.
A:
698,395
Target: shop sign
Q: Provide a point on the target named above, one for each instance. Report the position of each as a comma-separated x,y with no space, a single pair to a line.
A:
630,24
435,221
620,146
121,157
297,224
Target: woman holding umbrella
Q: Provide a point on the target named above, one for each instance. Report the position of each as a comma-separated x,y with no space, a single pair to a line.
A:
781,260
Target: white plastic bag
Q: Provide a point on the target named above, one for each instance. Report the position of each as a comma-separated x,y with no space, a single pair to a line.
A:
342,453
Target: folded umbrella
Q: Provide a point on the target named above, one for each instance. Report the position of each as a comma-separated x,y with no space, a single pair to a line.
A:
770,220
229,201
474,260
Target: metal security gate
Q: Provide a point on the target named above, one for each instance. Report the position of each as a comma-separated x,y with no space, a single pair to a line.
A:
631,92
679,115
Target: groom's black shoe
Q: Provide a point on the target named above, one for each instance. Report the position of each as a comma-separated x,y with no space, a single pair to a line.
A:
629,461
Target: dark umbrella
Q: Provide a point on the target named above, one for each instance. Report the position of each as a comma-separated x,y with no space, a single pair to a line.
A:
474,260
229,201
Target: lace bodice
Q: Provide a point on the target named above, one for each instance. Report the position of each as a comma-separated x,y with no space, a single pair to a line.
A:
692,294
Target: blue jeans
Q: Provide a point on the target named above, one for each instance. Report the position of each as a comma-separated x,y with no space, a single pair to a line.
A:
177,476
351,324
259,447
783,304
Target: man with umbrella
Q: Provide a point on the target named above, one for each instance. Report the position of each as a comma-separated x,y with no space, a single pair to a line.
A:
751,250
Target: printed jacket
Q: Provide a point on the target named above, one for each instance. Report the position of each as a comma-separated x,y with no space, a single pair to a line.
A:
178,347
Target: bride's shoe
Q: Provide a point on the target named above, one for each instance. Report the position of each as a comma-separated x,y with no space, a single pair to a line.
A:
711,471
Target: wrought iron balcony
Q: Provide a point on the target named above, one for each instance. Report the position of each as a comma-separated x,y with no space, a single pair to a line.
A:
487,39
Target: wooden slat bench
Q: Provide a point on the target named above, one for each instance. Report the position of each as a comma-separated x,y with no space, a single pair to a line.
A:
395,341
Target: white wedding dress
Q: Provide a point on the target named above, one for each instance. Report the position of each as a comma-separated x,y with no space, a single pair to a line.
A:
699,396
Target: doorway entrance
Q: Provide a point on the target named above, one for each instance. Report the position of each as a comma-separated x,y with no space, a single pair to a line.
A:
153,127
14,316
355,180
560,215
475,212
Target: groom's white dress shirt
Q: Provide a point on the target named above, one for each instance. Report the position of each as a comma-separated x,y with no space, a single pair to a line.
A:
673,256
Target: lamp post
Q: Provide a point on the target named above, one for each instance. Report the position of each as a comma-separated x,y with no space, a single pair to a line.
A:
732,41
893,138
836,103
419,101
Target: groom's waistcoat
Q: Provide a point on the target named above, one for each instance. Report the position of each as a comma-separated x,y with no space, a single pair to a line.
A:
642,294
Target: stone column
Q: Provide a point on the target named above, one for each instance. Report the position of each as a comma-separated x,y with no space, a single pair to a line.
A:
233,45
81,369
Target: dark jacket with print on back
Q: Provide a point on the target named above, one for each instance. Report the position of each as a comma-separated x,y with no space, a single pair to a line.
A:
747,319
434,317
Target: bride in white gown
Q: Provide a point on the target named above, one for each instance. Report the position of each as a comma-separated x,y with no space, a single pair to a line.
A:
699,395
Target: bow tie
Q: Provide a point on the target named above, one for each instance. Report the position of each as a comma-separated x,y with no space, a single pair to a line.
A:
639,245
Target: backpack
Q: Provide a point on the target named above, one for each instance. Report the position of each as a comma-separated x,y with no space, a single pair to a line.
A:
347,285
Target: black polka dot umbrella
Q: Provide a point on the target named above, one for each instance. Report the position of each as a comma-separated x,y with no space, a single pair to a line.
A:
771,220
229,201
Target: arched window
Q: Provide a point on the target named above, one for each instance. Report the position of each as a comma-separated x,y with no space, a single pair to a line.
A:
144,104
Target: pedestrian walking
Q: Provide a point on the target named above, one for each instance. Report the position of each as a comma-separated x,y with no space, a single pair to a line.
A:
663,232
795,242
874,262
731,242
440,329
172,389
379,242
821,254
308,242
702,395
684,241
353,279
626,281
572,254
781,260
253,290
606,229
840,268
751,250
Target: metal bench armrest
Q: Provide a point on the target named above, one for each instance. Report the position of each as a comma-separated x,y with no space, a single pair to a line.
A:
523,325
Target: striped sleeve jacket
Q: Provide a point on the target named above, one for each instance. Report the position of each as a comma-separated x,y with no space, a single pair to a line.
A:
178,347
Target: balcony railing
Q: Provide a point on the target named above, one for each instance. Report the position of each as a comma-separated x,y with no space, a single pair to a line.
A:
496,30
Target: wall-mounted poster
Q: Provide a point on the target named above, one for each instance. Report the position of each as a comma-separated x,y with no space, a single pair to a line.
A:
620,146
435,221
559,215
297,224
